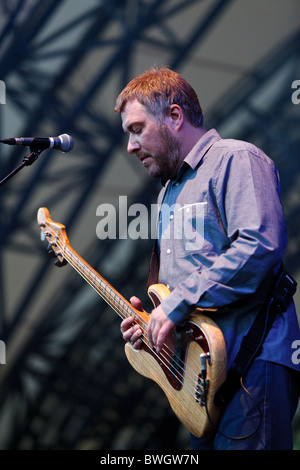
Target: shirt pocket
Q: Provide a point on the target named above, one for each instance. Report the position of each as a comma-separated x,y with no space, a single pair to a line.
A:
189,229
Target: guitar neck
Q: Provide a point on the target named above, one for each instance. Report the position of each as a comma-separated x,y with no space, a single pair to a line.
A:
111,296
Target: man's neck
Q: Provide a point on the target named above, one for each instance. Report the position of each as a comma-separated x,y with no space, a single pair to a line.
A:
191,135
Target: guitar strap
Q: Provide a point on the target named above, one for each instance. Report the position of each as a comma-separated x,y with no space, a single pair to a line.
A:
282,291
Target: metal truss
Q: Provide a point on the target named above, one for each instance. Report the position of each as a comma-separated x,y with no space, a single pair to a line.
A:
59,68
261,110
65,98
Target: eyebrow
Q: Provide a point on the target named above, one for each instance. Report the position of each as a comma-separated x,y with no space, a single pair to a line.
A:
130,126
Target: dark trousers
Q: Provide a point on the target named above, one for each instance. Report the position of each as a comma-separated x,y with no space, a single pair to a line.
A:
275,390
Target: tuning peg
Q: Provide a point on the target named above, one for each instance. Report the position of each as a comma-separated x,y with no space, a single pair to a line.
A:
59,264
50,251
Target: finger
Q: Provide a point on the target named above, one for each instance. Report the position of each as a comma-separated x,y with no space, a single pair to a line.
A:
136,334
132,334
126,324
149,333
155,335
138,344
162,334
136,303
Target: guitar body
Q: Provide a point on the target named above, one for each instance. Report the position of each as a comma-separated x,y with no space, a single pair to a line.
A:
178,368
185,393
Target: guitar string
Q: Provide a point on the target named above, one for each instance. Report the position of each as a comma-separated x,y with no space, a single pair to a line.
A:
104,292
119,311
128,308
106,295
164,352
102,287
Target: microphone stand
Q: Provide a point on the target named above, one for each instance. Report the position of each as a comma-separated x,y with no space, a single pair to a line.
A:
27,160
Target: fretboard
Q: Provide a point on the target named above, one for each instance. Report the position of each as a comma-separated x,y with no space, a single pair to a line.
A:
111,296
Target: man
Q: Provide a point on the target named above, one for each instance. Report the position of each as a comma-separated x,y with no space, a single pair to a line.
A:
232,192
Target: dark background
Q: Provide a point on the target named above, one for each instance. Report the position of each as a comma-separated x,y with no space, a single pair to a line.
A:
66,383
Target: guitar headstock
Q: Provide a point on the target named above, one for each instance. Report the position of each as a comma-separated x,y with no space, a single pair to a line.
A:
55,234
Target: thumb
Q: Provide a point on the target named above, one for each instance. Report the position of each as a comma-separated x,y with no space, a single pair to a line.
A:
136,303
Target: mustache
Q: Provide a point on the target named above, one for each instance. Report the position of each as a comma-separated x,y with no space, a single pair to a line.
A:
141,155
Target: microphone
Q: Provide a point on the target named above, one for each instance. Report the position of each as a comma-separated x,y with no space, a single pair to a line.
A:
63,142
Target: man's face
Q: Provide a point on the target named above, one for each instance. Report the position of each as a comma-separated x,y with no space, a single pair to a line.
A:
152,142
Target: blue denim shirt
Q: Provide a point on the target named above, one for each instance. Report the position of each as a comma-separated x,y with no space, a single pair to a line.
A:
221,239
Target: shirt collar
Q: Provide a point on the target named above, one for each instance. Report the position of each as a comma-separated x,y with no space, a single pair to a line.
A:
197,153
201,148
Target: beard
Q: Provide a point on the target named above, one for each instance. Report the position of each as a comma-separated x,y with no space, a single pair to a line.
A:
165,162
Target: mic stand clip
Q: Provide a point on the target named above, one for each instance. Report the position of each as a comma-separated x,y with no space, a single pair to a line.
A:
27,160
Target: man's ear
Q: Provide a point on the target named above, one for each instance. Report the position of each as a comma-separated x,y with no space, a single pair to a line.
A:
175,117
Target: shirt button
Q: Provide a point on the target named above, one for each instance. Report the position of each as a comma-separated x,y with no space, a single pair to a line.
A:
168,251
171,216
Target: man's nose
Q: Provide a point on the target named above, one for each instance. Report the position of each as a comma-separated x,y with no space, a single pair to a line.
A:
133,145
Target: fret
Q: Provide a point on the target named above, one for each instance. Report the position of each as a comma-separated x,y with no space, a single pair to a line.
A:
175,371
108,294
55,234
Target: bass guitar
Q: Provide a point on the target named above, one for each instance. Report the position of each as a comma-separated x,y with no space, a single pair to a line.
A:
191,365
